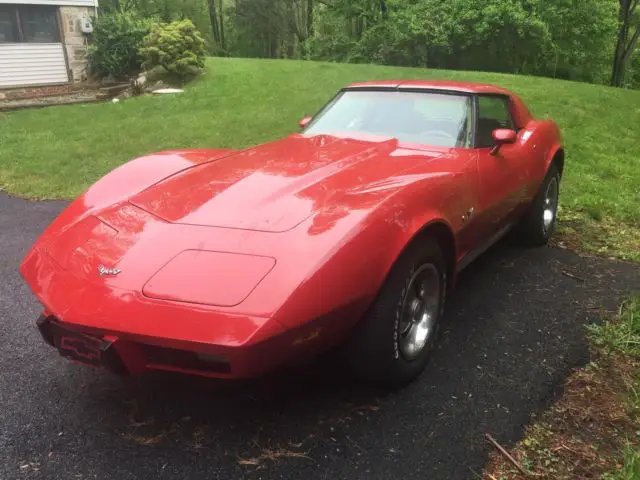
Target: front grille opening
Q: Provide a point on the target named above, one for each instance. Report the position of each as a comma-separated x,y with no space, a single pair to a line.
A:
185,359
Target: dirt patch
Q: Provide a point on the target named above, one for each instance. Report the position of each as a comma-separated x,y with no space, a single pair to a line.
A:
604,237
584,435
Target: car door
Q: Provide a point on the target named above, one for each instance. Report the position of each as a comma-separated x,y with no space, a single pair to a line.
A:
502,174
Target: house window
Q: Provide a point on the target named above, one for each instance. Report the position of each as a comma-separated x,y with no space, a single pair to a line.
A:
8,30
28,24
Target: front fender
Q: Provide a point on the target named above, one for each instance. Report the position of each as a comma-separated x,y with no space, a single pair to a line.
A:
140,173
133,177
126,180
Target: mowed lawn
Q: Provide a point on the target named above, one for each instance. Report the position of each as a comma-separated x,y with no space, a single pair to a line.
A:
57,152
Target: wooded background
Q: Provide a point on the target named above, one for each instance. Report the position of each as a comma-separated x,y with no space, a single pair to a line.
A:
584,40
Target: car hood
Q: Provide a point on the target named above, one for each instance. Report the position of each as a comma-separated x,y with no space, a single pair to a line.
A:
217,217
272,187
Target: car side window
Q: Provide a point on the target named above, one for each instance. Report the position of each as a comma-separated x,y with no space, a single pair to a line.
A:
493,113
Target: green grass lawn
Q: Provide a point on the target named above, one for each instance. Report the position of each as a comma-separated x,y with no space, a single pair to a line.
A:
57,152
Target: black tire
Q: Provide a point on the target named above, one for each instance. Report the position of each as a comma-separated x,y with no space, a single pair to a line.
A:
373,351
532,229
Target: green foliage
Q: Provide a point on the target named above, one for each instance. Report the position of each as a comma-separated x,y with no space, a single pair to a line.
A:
621,335
114,45
583,32
165,11
177,47
566,38
633,72
630,469
269,28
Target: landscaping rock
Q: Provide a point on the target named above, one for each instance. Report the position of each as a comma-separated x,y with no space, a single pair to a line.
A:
141,81
159,85
124,95
108,80
39,102
114,90
168,90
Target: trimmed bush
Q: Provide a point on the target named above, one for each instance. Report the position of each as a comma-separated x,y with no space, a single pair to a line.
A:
178,47
115,45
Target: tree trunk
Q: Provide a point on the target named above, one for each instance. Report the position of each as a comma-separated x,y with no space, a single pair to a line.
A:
213,17
309,18
359,27
303,49
617,74
223,42
290,46
624,45
273,45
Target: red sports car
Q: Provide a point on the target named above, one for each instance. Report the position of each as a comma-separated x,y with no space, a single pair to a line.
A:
229,263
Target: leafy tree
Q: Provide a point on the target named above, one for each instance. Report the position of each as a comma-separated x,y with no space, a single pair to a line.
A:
499,35
300,21
581,31
632,74
627,39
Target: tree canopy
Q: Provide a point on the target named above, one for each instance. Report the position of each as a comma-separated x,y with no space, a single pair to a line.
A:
585,40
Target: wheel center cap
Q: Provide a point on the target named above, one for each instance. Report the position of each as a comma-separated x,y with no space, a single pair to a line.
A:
417,310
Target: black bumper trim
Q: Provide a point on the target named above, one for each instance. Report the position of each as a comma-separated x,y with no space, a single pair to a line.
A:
109,358
45,329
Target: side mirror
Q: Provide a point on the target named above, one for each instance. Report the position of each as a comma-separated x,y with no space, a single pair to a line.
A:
304,122
503,136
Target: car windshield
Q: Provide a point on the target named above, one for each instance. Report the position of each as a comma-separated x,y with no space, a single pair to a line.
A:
427,118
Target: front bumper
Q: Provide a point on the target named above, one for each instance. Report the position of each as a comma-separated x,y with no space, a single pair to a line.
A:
126,356
148,333
139,334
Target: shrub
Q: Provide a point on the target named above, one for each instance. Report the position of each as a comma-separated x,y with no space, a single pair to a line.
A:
115,44
178,47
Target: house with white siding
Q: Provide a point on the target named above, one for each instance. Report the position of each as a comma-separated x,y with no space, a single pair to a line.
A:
42,43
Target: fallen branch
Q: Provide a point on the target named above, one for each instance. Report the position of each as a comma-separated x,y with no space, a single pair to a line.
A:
621,309
508,456
272,455
571,275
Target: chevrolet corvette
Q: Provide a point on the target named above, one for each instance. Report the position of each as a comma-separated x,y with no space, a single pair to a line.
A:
348,234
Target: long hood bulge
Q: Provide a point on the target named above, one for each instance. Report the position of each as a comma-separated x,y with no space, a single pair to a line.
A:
270,188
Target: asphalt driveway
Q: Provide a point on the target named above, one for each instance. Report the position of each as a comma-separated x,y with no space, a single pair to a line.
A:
516,331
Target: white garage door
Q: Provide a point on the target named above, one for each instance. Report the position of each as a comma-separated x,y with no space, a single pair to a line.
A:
32,64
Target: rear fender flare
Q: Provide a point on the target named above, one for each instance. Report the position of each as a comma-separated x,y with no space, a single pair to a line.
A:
556,151
552,139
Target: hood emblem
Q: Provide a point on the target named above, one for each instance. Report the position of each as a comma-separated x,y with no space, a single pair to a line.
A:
102,270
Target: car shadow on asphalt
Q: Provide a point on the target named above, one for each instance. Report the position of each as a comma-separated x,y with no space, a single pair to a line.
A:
514,332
